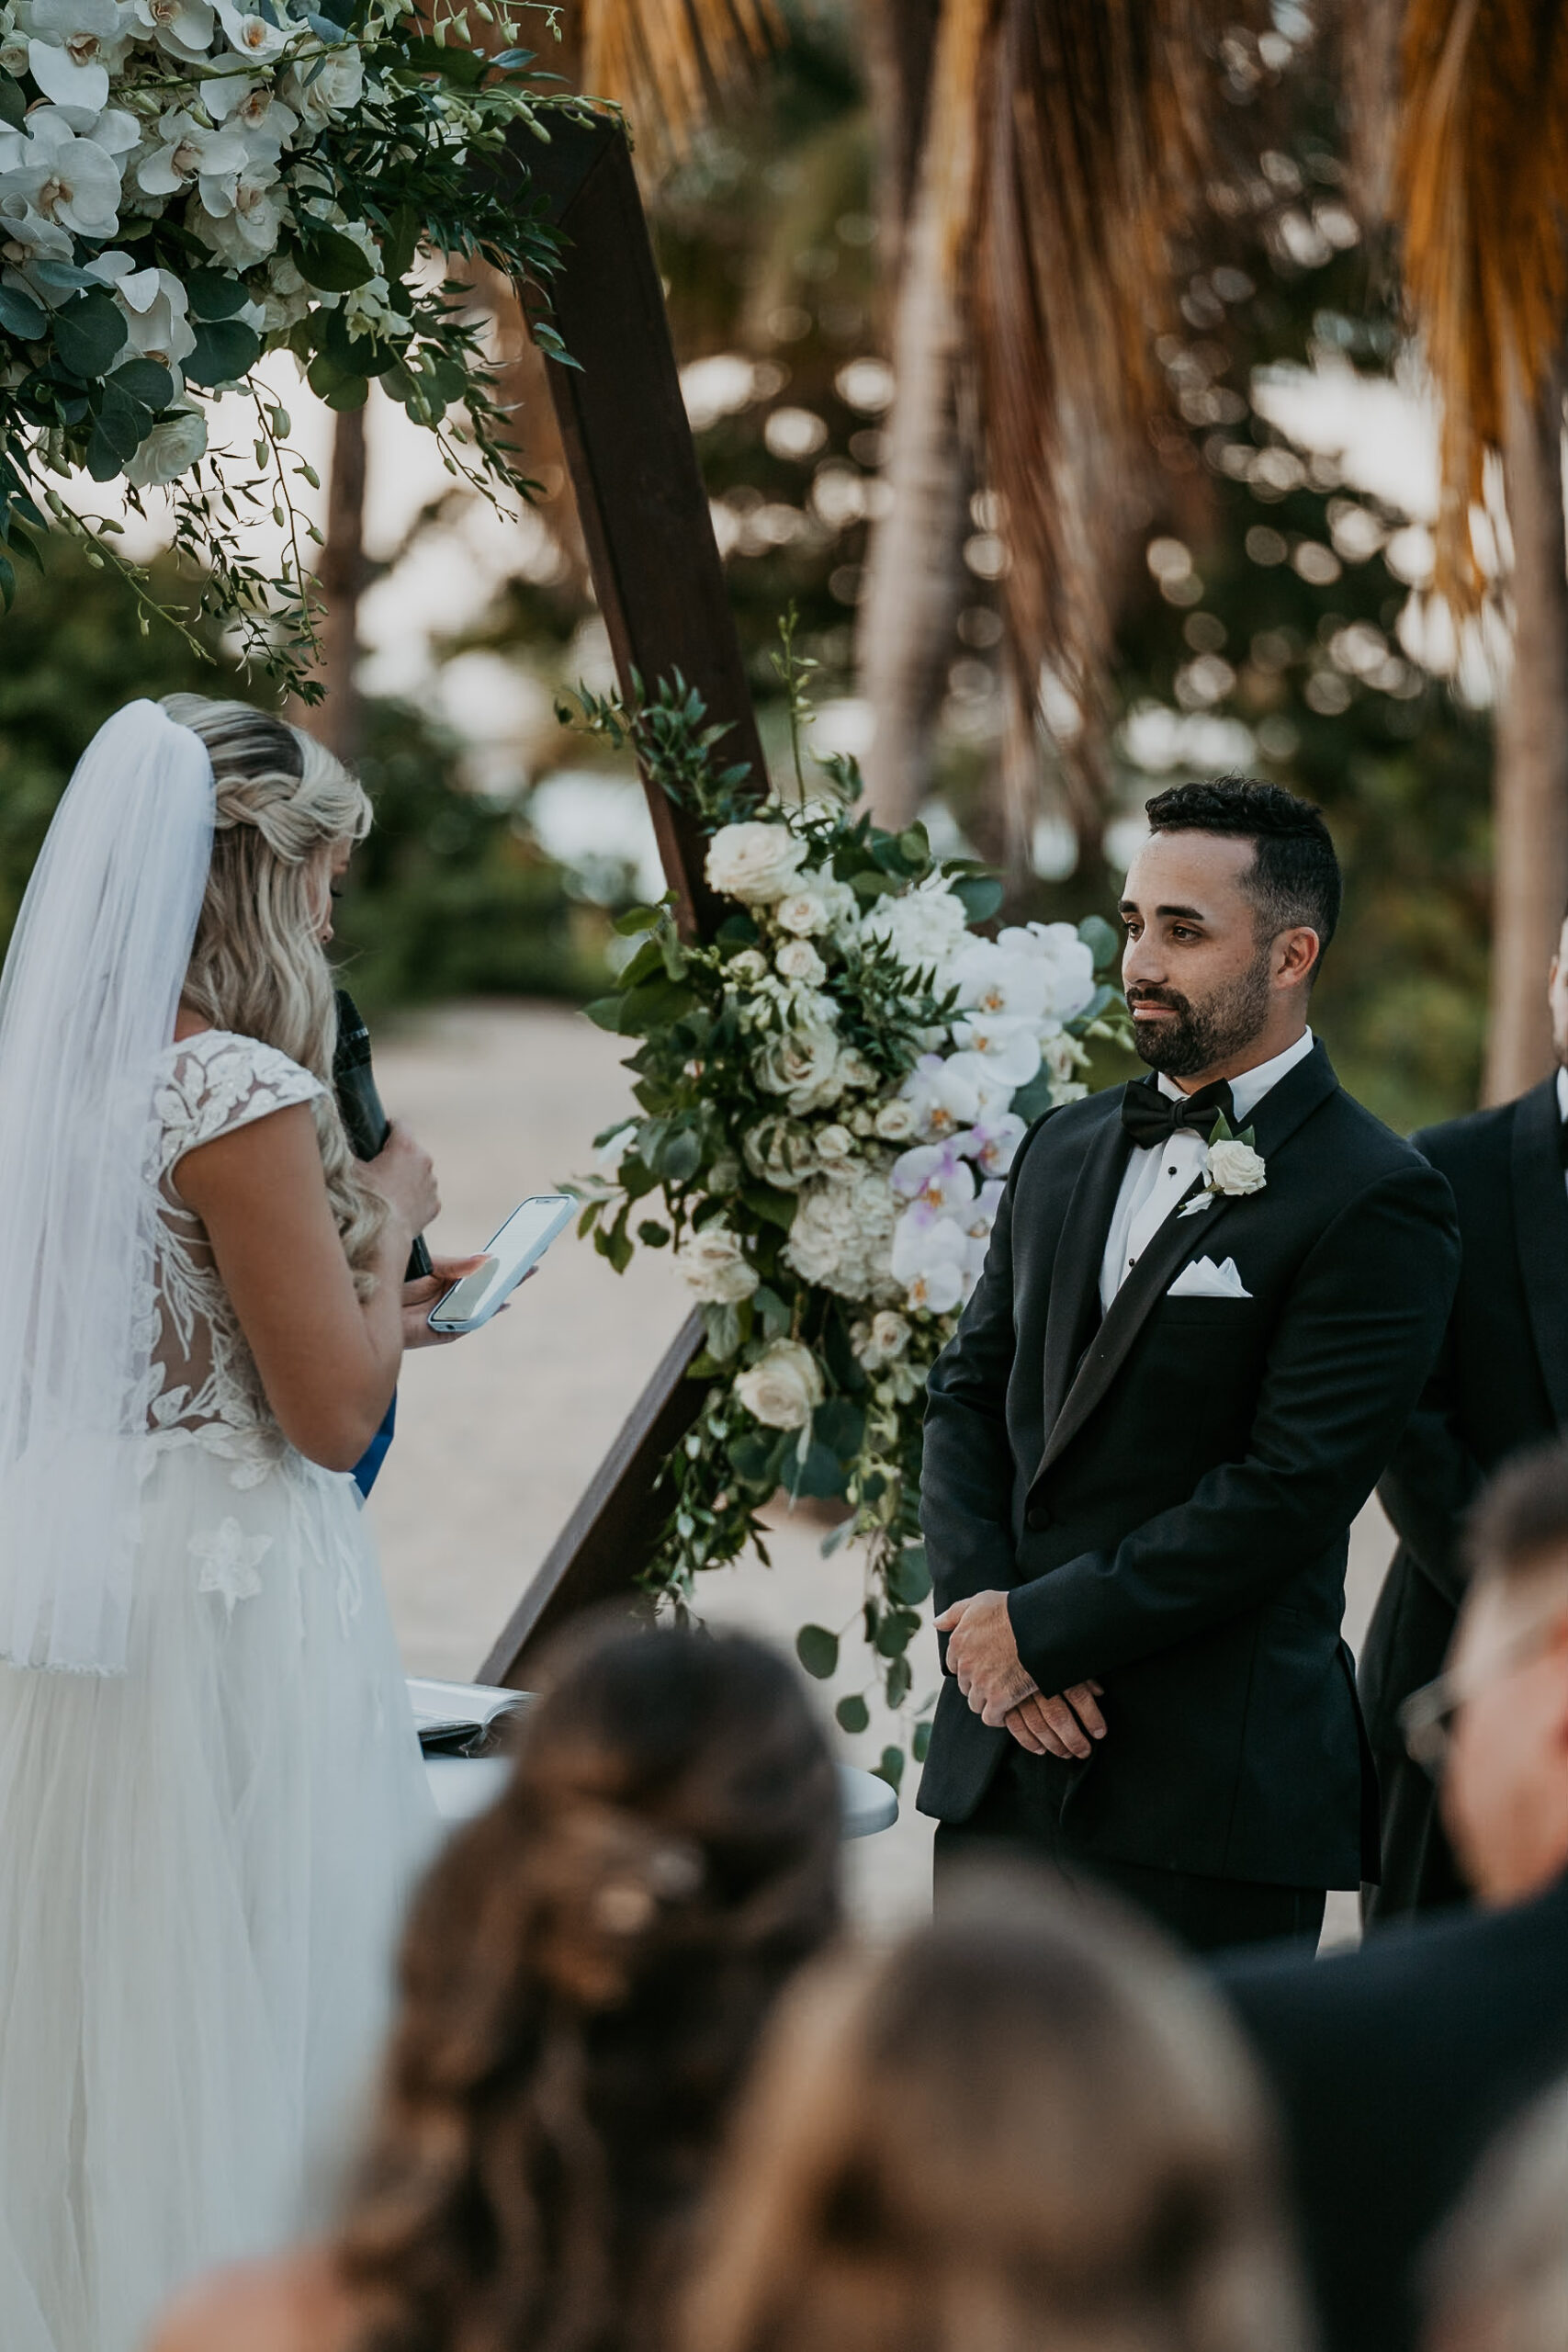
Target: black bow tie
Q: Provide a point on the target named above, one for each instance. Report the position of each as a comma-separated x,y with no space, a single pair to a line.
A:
1152,1117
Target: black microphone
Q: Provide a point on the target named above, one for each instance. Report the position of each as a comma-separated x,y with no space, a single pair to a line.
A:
367,1124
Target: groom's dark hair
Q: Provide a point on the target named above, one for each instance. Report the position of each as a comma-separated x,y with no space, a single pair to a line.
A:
1295,875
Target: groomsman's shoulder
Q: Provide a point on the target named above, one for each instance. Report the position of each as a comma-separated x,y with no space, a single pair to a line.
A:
1480,1140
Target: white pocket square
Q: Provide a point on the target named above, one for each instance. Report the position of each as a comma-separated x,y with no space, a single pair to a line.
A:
1202,1279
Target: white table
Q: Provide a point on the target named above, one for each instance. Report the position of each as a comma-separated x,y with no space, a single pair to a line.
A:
464,1785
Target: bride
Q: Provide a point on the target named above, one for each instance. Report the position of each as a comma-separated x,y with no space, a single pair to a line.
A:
211,1795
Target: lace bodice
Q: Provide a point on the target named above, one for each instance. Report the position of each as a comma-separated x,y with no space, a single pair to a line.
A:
205,1388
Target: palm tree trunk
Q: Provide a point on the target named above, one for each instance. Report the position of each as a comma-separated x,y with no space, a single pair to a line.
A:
342,574
1530,774
914,571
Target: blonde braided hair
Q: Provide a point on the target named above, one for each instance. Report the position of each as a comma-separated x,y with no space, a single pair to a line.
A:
258,966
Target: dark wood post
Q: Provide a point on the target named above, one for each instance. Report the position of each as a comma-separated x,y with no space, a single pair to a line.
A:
660,587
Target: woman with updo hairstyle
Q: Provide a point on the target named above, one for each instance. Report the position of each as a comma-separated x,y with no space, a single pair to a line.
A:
1025,2129
212,1802
584,1978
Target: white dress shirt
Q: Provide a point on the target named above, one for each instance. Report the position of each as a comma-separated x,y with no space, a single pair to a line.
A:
1158,1175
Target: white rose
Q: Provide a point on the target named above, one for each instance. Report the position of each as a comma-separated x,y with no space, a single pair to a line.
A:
889,1335
784,1388
821,904
780,1152
798,960
802,1063
834,1145
330,87
169,449
1234,1168
896,1121
748,967
753,862
714,1262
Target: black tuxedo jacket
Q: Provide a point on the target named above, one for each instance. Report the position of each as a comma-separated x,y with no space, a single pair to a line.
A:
1167,1493
1394,2068
1500,1383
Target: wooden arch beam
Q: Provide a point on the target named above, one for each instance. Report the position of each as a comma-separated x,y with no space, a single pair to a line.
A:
661,590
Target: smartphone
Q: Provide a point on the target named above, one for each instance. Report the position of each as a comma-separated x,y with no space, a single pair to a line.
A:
521,1243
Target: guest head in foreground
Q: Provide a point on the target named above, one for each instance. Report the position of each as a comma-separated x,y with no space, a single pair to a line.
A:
1497,1723
1229,906
1025,2128
583,1979
1497,2280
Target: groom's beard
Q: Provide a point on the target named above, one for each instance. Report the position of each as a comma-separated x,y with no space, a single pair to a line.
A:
1200,1035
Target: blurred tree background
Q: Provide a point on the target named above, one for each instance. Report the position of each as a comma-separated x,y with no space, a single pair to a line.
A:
1261,613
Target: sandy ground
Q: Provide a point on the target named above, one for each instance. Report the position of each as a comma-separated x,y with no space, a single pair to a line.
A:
499,1434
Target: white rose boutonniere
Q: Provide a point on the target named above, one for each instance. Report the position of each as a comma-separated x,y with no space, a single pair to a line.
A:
1233,1166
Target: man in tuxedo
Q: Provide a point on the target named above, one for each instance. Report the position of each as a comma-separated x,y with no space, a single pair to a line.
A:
1395,2065
1184,1365
1500,1385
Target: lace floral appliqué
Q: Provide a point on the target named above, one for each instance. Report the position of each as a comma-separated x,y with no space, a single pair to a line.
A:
229,1561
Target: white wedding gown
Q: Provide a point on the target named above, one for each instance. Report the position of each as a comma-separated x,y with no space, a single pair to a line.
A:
202,1861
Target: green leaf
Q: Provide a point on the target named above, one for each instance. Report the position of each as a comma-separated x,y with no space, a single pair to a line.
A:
853,1715
20,314
773,1313
224,352
682,1156
652,1235
921,1742
1030,1101
737,931
757,1460
634,919
655,1005
908,1578
1101,940
819,1477
89,335
604,1013
841,1426
215,294
352,392
336,264
890,1767
817,1651
896,1631
771,1206
13,103
896,1681
723,1326
980,895
8,582
399,242
144,380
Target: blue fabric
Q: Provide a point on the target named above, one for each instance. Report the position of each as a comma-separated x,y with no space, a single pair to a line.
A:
368,1467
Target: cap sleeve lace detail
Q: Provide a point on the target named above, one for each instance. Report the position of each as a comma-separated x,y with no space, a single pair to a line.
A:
203,1389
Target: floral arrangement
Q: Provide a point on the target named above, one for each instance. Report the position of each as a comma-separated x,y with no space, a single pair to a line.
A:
187,184
830,1095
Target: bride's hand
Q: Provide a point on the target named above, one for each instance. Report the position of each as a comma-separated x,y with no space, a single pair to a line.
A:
404,1175
419,1296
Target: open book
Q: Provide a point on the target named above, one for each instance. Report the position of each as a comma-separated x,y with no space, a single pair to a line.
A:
463,1718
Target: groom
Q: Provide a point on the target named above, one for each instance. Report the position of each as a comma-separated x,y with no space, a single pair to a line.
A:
1210,1302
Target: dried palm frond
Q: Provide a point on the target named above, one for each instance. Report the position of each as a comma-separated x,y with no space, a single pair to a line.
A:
1078,147
1482,203
672,63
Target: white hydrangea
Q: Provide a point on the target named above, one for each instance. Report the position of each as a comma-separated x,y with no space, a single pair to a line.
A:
843,1233
924,928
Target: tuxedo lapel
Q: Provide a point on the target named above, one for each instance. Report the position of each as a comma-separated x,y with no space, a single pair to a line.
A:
1541,1228
1281,1111
1074,1306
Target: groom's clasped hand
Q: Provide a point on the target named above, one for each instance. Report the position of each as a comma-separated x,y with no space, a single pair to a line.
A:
982,1654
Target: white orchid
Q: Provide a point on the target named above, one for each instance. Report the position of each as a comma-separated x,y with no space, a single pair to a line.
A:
1067,963
26,236
249,230
931,1260
992,1144
70,181
157,319
72,45
1009,1045
258,39
169,449
992,980
934,1173
250,110
182,29
187,154
943,1096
